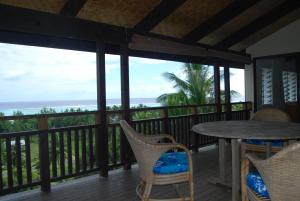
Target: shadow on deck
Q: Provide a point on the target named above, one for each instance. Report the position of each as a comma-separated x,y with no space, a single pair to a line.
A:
120,185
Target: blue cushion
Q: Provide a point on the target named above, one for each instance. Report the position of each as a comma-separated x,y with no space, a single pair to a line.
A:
256,183
173,162
275,143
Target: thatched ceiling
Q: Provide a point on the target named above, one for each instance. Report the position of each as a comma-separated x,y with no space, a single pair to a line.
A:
227,24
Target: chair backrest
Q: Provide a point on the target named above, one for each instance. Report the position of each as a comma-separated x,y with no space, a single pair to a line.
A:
281,173
145,153
271,114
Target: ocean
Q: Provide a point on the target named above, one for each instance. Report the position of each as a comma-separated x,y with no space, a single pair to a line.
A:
34,107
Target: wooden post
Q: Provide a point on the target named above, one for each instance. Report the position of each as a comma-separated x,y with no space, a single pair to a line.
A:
227,92
102,131
125,99
195,135
165,115
217,91
44,154
247,108
254,85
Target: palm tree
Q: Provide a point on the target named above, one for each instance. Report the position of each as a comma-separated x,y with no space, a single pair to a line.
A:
197,87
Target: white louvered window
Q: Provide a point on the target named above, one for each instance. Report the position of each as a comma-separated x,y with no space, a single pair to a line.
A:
289,86
266,84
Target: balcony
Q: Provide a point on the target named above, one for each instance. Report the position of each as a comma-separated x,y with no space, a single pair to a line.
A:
47,156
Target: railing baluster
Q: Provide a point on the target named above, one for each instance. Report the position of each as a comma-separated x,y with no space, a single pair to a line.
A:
1,176
62,153
69,148
9,163
28,160
91,148
114,149
144,128
54,158
76,141
19,160
153,130
83,147
140,127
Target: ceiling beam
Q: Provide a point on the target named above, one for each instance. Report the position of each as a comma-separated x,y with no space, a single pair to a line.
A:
258,24
72,7
144,43
212,24
159,13
36,22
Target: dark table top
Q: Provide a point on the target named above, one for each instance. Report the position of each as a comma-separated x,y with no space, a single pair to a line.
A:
250,130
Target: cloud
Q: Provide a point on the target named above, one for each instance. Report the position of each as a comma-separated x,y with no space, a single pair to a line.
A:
112,58
111,67
138,60
14,74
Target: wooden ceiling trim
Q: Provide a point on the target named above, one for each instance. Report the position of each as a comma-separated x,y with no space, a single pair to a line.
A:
144,43
260,23
35,22
245,18
188,16
160,12
53,6
231,11
72,7
272,28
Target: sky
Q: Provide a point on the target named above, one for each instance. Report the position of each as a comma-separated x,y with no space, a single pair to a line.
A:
30,73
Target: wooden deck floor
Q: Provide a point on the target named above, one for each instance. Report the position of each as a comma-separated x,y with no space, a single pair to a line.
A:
120,185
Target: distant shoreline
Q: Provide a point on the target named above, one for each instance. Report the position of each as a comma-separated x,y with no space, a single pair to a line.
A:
34,107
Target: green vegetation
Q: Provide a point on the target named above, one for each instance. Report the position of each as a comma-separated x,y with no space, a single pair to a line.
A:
196,88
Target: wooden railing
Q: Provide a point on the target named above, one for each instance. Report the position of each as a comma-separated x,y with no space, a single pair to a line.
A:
45,155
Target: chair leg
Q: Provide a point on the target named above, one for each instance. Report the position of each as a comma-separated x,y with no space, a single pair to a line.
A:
191,183
244,172
147,192
140,188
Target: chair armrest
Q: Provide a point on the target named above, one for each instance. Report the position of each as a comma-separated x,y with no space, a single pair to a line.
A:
156,138
254,159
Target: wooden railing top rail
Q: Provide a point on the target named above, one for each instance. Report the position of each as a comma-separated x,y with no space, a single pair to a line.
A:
132,110
19,133
36,116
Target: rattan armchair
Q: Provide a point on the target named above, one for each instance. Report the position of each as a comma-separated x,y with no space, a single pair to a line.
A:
280,174
266,114
147,151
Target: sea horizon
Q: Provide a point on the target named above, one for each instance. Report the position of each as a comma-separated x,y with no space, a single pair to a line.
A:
34,107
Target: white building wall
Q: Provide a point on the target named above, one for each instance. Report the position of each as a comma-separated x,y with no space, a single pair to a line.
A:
284,41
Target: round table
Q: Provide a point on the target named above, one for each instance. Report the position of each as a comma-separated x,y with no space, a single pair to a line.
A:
236,130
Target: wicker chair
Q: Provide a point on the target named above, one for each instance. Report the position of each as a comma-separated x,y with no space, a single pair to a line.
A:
148,151
280,174
266,114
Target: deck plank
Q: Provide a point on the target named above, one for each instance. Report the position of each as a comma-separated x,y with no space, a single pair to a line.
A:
120,185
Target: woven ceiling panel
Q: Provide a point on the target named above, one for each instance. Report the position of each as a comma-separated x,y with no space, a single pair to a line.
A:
240,21
191,14
282,22
117,12
50,6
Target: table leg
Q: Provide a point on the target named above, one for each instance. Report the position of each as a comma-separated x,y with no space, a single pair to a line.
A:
222,160
222,166
235,170
268,149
